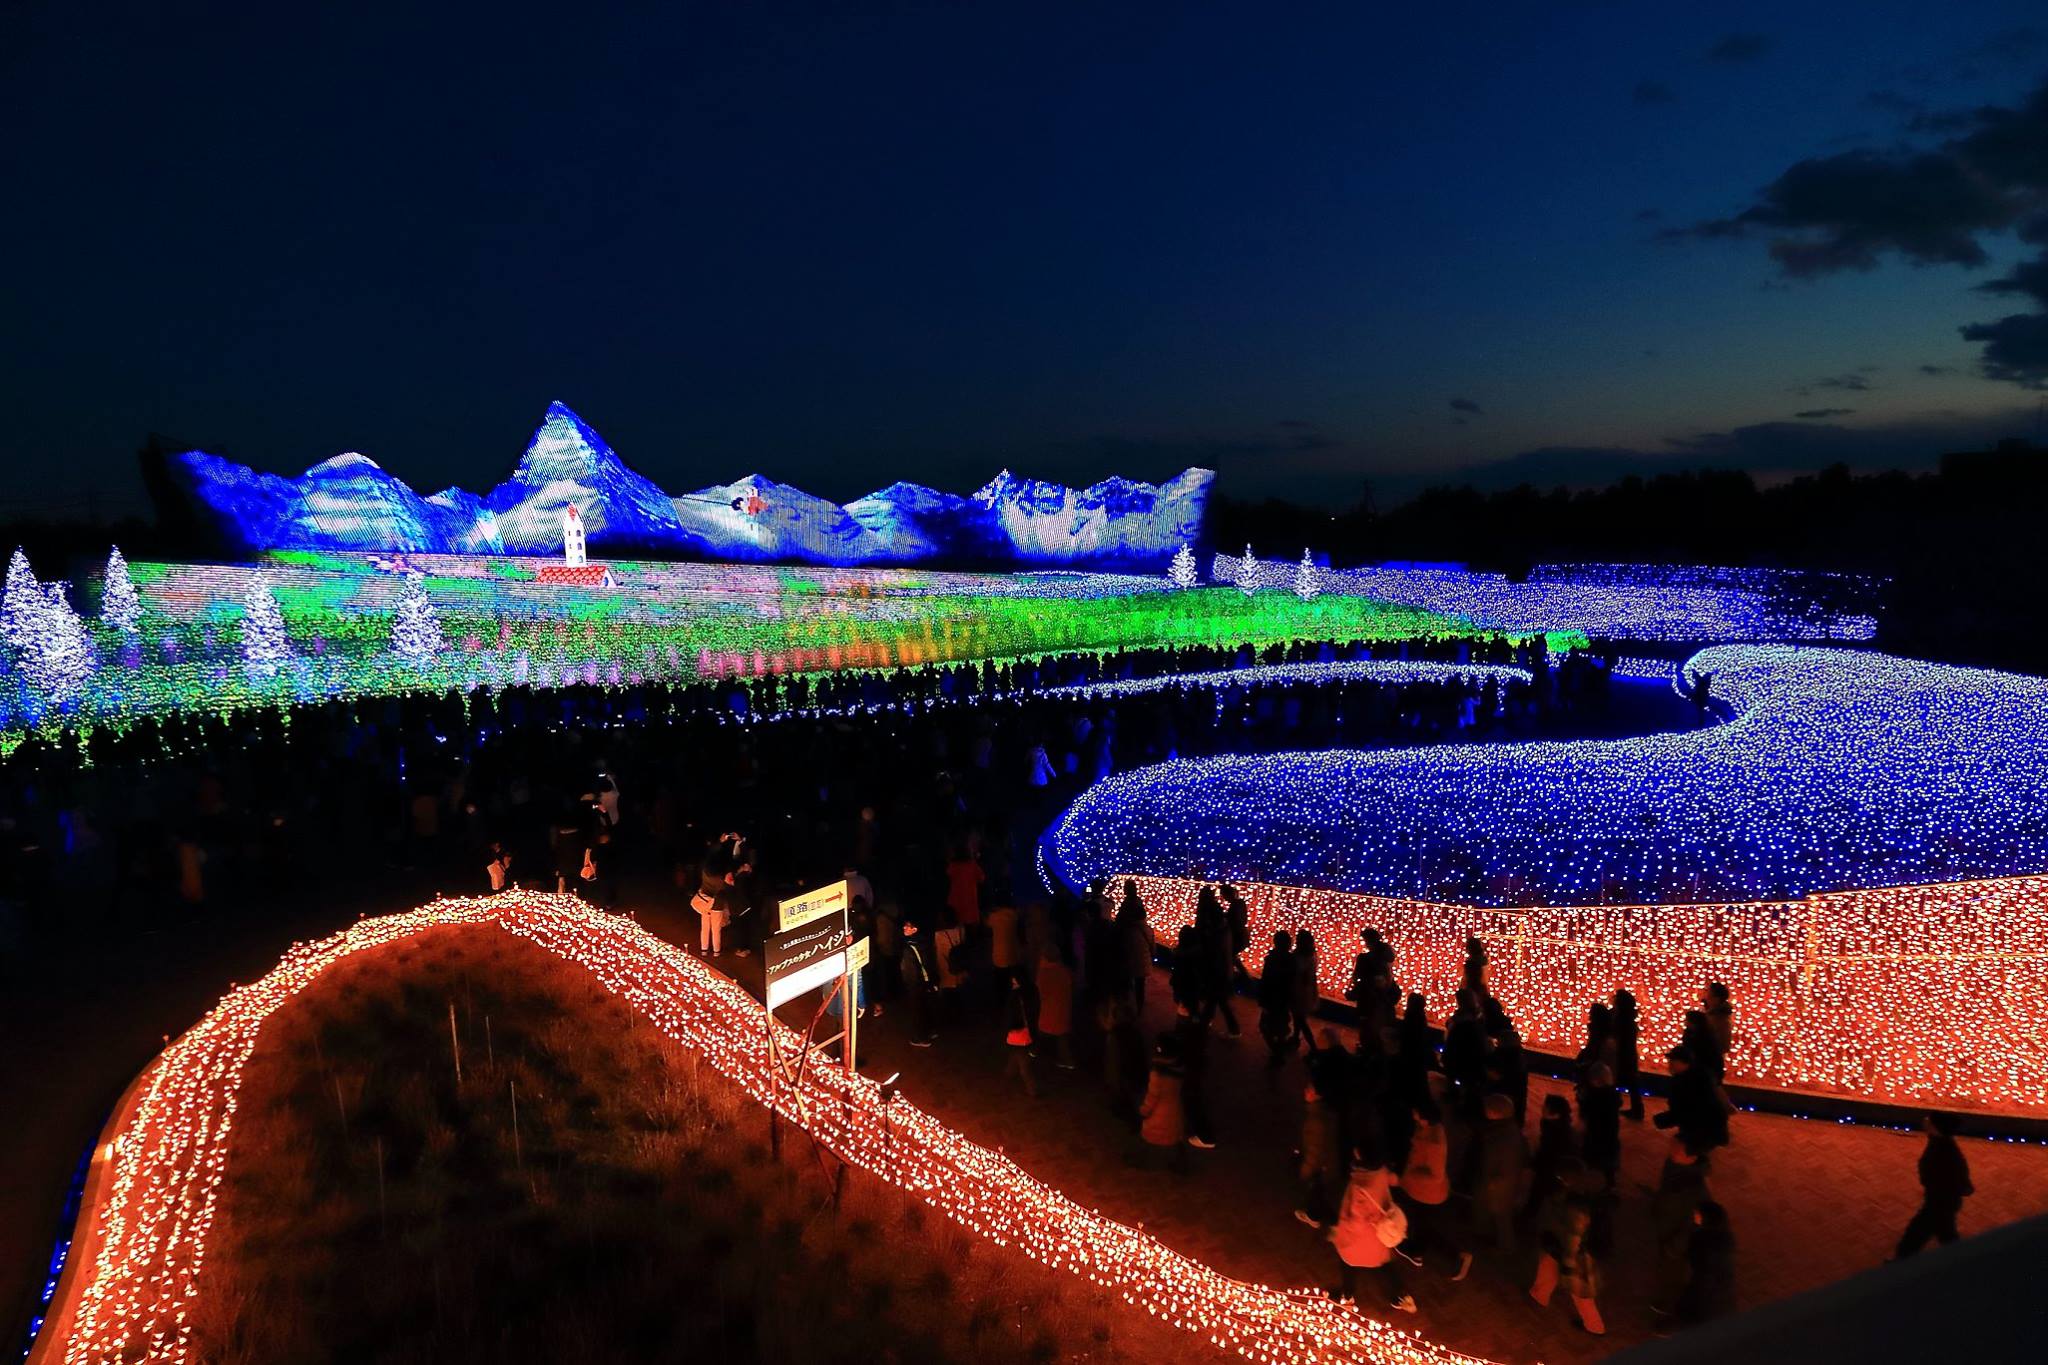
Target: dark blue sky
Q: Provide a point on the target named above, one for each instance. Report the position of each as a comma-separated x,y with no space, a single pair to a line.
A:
1306,245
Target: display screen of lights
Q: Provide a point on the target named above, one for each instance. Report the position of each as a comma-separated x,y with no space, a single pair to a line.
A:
1683,603
1934,995
358,626
1841,769
142,1266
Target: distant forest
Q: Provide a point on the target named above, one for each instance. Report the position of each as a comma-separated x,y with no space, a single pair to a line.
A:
1966,545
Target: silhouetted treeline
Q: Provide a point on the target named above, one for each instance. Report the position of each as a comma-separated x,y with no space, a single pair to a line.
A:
1966,545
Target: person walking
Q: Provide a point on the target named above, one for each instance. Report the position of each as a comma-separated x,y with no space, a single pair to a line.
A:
1369,1226
1426,1189
1319,1168
1056,1001
1502,1165
1567,1257
1696,1108
920,979
1944,1184
1681,1189
1191,1036
1276,1000
1017,1039
1600,1114
1307,989
1628,1065
1162,1121
1710,1258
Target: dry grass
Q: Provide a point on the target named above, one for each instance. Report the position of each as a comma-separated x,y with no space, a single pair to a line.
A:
636,1215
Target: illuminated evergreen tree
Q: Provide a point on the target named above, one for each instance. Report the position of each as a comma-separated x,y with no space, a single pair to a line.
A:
264,643
416,626
120,608
1181,573
21,599
1248,572
1307,581
55,654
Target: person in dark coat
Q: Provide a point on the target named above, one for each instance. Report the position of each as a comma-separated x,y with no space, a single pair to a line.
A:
1628,1065
1600,1114
1276,999
1710,1261
1695,1109
1681,1189
920,979
1191,1036
1556,1144
1944,1184
1320,1167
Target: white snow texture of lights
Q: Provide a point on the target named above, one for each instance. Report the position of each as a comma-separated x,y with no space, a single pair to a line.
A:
1841,769
1272,675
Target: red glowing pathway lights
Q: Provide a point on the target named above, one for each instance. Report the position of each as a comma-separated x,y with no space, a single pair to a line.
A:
138,1264
1928,995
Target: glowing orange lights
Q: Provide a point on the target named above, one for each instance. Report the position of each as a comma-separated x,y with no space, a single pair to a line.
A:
146,1243
1933,994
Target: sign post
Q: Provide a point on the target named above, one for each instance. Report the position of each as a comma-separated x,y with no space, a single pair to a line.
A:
856,958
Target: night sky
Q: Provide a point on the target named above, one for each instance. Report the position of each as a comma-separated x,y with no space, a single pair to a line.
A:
1304,245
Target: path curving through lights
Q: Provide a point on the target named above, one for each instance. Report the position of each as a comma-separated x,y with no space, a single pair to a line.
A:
1385,671
1840,769
138,1261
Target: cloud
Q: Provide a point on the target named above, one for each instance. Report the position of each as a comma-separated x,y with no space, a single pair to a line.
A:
2028,277
1739,47
1652,92
1466,405
1926,206
1818,414
2015,348
1937,369
1856,381
1764,448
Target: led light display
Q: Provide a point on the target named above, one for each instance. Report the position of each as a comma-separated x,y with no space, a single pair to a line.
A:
1840,770
1388,671
140,1264
349,503
1925,995
1671,602
305,627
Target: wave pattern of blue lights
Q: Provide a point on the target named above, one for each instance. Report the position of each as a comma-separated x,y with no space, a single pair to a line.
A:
1387,671
1840,770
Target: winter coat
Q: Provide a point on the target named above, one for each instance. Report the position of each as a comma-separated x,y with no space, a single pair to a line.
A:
1164,1123
1427,1178
1368,1199
1055,998
1696,1110
1503,1160
1319,1140
1944,1173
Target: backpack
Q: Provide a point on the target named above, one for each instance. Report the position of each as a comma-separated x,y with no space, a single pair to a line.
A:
1392,1227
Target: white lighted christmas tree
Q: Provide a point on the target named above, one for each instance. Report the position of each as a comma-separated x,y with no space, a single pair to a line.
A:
1307,580
21,599
120,608
51,645
416,626
1248,572
1181,573
264,643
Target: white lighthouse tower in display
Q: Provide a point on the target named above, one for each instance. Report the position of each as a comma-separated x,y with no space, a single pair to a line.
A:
572,538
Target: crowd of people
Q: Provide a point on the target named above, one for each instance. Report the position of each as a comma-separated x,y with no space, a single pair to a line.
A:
190,809
927,790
